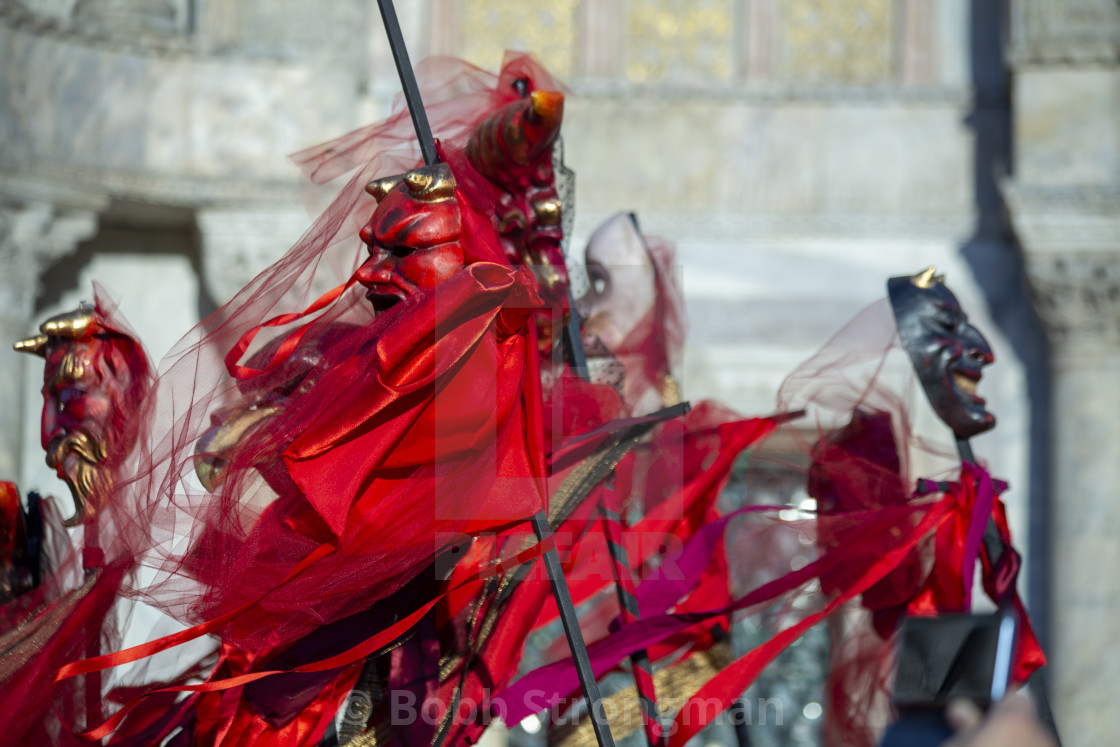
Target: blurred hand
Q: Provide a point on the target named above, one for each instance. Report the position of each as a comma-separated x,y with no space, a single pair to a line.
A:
1011,723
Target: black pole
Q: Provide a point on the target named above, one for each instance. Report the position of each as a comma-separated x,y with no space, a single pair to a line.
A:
539,521
575,637
560,592
408,82
964,449
577,359
573,341
639,660
997,265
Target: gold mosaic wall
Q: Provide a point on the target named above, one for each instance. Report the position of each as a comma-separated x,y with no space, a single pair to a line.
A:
813,41
671,40
837,41
546,28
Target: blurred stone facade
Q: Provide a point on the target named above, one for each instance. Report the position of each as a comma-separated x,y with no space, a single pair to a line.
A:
1064,201
798,151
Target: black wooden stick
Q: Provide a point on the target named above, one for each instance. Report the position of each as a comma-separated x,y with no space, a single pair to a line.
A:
408,82
576,643
964,449
540,523
573,341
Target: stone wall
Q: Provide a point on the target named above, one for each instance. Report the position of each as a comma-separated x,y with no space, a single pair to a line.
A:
1064,197
799,153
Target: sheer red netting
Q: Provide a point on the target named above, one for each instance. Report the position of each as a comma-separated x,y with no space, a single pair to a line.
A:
855,539
457,97
327,494
887,448
366,445
666,487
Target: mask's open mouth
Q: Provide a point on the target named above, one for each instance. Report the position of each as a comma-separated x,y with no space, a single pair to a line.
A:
383,303
385,297
966,382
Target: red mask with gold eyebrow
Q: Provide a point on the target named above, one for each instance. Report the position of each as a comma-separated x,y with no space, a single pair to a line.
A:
413,236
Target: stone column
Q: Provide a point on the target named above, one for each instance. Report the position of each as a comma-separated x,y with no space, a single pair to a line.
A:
33,235
916,44
443,29
237,243
601,41
757,56
1073,262
1064,202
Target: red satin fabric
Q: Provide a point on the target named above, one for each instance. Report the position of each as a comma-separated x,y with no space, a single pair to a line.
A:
229,721
553,679
896,530
223,712
677,476
733,680
397,436
393,438
947,588
80,628
875,544
943,591
420,432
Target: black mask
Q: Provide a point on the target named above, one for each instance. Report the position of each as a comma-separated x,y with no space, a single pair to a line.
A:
947,352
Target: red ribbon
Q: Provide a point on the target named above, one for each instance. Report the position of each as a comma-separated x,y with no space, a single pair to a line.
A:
356,653
733,680
290,343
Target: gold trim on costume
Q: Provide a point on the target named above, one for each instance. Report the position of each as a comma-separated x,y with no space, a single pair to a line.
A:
674,686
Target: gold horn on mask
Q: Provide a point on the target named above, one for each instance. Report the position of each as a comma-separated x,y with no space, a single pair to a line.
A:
71,324
927,278
381,187
34,345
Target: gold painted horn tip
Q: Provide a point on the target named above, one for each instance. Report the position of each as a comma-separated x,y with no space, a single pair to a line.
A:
383,186
33,345
431,183
927,277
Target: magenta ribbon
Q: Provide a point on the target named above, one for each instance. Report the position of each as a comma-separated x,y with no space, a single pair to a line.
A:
981,513
545,687
679,573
